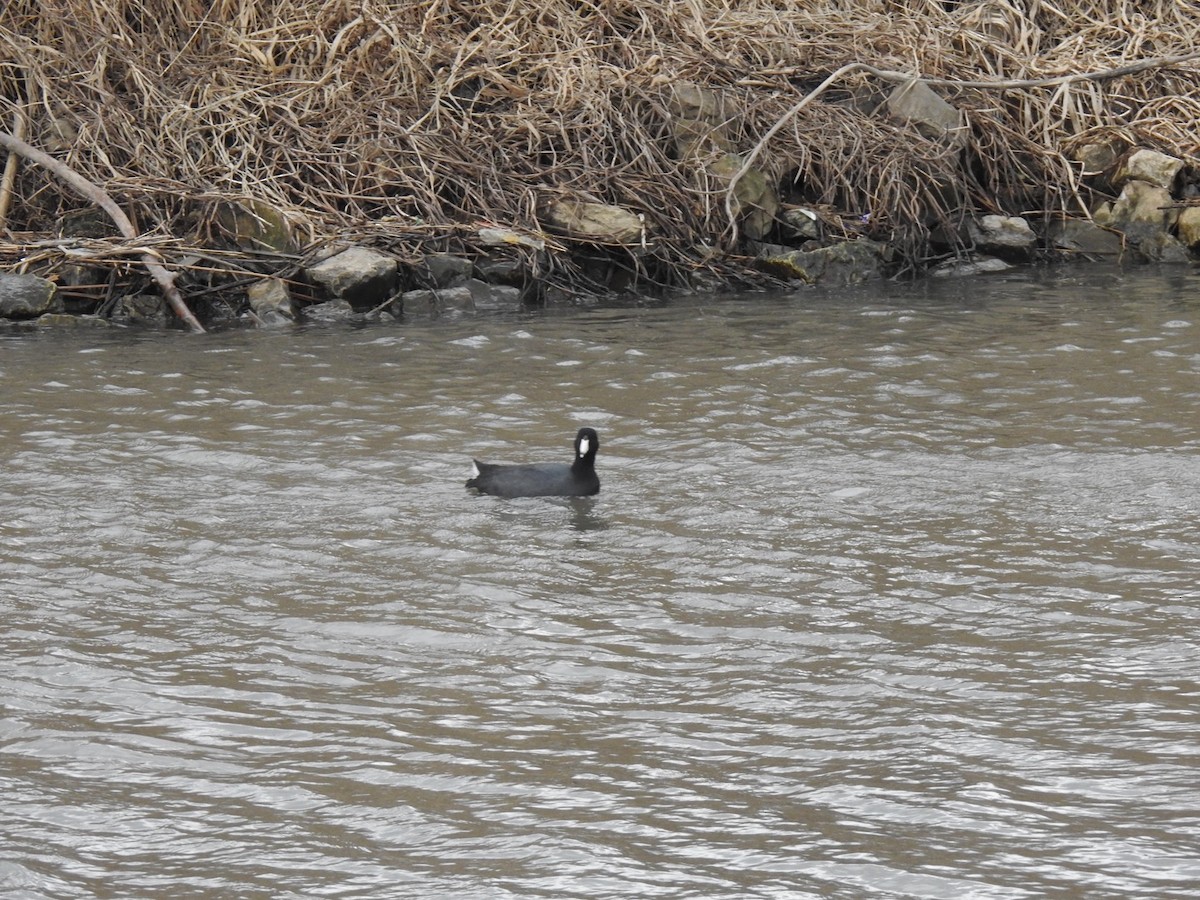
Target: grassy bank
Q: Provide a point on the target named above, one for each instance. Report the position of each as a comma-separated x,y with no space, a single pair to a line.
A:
410,124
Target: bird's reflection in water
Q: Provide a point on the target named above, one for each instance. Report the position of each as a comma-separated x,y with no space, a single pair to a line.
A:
583,514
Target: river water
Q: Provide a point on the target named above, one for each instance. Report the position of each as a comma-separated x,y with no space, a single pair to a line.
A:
888,593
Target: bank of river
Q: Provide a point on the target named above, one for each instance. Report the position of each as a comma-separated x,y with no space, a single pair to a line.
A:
887,593
561,150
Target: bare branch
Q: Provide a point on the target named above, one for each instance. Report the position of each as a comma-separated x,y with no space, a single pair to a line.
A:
98,196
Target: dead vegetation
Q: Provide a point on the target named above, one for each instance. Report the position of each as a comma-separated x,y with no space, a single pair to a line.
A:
410,124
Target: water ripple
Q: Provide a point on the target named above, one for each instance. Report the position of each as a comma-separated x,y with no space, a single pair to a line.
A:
884,596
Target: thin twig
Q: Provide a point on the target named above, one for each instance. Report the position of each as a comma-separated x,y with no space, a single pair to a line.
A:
10,165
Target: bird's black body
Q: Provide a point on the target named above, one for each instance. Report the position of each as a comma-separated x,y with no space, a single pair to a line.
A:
578,479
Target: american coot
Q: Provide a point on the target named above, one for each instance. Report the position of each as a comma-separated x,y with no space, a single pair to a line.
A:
549,480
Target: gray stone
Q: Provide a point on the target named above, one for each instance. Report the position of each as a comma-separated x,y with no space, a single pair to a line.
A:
1187,226
755,201
362,277
443,270
916,103
272,302
1140,213
419,303
1085,238
1149,166
1164,248
688,100
500,237
1097,158
965,268
601,223
494,296
802,222
848,262
1003,235
26,296
430,303
330,311
255,225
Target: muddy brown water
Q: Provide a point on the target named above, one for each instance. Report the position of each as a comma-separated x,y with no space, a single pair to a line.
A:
890,593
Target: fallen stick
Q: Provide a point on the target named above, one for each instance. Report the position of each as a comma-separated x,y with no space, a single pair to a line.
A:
10,166
98,196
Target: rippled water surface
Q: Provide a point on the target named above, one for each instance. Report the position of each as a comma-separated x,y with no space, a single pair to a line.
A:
887,594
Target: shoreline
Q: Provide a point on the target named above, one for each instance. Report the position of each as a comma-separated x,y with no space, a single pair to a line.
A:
411,161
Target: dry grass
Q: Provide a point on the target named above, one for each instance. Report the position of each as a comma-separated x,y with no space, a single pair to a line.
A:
412,121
